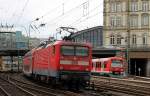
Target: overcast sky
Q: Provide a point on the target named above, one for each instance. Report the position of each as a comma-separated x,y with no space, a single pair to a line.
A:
55,13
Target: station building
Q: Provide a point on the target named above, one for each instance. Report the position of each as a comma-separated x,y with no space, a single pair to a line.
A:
91,35
94,36
127,25
13,44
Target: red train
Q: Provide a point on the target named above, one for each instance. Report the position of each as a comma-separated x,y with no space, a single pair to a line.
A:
112,66
60,61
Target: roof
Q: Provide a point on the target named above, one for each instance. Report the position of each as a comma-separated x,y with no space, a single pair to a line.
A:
87,30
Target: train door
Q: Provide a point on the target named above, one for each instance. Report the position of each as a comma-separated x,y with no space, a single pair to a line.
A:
98,66
94,66
102,66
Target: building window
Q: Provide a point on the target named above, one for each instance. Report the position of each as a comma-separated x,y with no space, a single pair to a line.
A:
134,39
133,20
113,7
116,7
144,39
145,20
145,6
134,6
115,21
112,39
119,39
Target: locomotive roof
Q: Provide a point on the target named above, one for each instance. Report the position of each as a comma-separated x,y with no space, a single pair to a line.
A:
106,59
61,42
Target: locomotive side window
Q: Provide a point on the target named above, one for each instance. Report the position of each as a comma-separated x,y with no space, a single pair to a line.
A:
81,51
67,50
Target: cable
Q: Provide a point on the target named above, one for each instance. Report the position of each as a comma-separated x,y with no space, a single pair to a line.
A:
79,18
87,17
21,14
15,11
51,11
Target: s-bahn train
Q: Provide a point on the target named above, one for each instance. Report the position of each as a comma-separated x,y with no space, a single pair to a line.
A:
111,67
60,61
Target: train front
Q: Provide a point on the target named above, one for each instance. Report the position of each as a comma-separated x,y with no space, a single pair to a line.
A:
75,63
117,67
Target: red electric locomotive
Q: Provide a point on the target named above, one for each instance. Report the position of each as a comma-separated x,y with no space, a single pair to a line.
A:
112,66
59,61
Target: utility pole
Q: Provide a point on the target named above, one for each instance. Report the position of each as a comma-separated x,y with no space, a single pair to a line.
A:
30,26
128,35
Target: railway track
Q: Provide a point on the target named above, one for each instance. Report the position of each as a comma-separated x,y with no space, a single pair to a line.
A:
44,90
10,89
3,92
41,90
19,78
37,89
140,78
122,85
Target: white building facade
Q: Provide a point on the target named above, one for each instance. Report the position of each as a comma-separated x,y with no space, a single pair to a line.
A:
127,20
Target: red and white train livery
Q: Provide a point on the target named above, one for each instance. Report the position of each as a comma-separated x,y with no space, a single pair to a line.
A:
112,66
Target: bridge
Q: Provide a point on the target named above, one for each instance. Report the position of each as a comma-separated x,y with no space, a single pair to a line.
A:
13,52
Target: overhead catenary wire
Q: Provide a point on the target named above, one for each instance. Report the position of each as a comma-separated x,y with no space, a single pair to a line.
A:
21,14
51,11
87,17
66,13
58,18
92,10
15,11
69,12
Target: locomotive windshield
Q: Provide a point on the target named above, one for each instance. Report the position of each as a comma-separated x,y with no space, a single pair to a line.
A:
116,63
74,50
67,50
81,51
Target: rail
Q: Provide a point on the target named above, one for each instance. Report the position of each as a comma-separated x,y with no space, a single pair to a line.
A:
4,91
41,89
134,87
16,86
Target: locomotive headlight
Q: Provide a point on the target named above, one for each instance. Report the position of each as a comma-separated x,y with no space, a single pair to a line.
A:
121,70
61,67
122,73
83,63
87,69
65,62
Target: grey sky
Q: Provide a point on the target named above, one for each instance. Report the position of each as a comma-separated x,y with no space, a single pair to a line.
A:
22,12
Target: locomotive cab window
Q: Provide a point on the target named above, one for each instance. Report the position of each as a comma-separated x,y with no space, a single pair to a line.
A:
116,63
67,50
74,50
81,51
